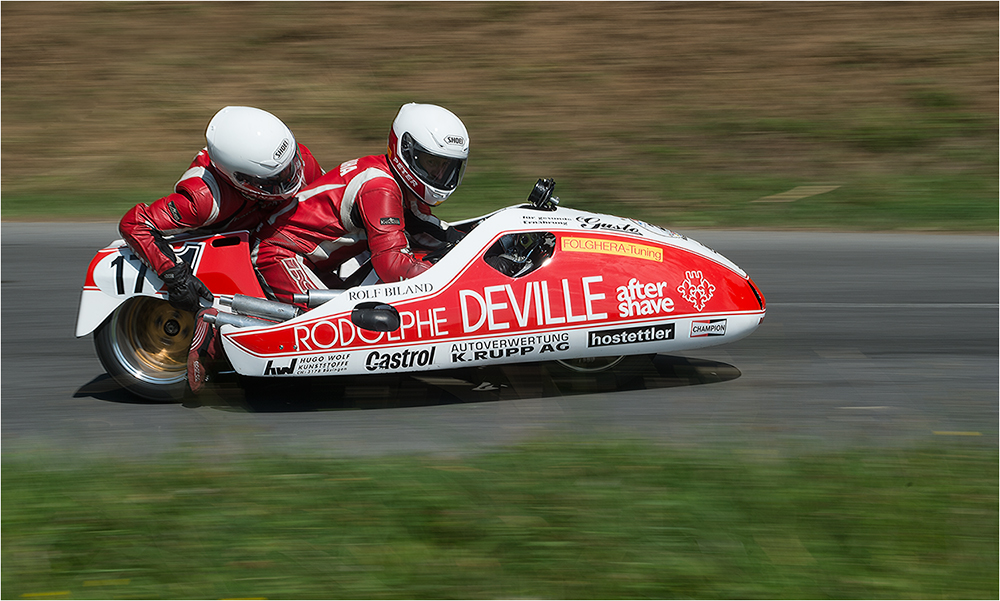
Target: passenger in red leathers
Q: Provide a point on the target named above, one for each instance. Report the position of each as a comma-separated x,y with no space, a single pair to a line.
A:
233,184
371,203
250,167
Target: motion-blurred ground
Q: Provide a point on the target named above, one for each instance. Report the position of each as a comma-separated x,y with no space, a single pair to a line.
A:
849,115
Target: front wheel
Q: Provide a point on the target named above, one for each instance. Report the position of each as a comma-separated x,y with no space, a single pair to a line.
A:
144,346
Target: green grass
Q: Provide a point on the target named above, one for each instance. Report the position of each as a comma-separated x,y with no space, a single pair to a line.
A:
914,202
680,114
556,520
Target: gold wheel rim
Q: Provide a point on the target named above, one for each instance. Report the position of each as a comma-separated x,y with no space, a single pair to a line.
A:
153,339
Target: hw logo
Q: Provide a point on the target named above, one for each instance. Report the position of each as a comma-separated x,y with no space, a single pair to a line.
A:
696,289
270,370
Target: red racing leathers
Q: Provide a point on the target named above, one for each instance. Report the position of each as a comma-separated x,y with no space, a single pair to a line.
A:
202,200
356,207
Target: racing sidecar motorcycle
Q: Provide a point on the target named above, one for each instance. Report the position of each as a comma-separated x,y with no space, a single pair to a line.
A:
531,282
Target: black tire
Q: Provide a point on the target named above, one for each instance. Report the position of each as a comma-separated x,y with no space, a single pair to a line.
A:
591,365
144,346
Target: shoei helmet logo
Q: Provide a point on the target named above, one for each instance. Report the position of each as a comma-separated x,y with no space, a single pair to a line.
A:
281,149
453,139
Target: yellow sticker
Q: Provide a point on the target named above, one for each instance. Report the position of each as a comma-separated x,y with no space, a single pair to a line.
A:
613,247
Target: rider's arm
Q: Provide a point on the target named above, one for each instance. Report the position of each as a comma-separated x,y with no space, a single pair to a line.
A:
422,223
143,228
380,208
195,202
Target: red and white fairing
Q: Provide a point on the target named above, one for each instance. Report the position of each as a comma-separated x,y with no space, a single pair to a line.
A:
117,274
612,286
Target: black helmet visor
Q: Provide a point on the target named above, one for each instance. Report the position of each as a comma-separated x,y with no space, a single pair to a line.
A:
284,183
435,170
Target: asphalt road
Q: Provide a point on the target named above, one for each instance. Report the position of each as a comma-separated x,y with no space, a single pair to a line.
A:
874,340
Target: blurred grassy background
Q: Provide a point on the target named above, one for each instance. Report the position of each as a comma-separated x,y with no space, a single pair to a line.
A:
573,520
846,116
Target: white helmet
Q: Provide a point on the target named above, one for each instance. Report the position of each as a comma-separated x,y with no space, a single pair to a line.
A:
256,152
428,149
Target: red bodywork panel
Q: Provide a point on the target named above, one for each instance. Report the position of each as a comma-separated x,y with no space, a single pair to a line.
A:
222,262
592,279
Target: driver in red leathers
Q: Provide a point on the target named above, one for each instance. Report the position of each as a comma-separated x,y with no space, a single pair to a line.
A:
251,167
371,203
